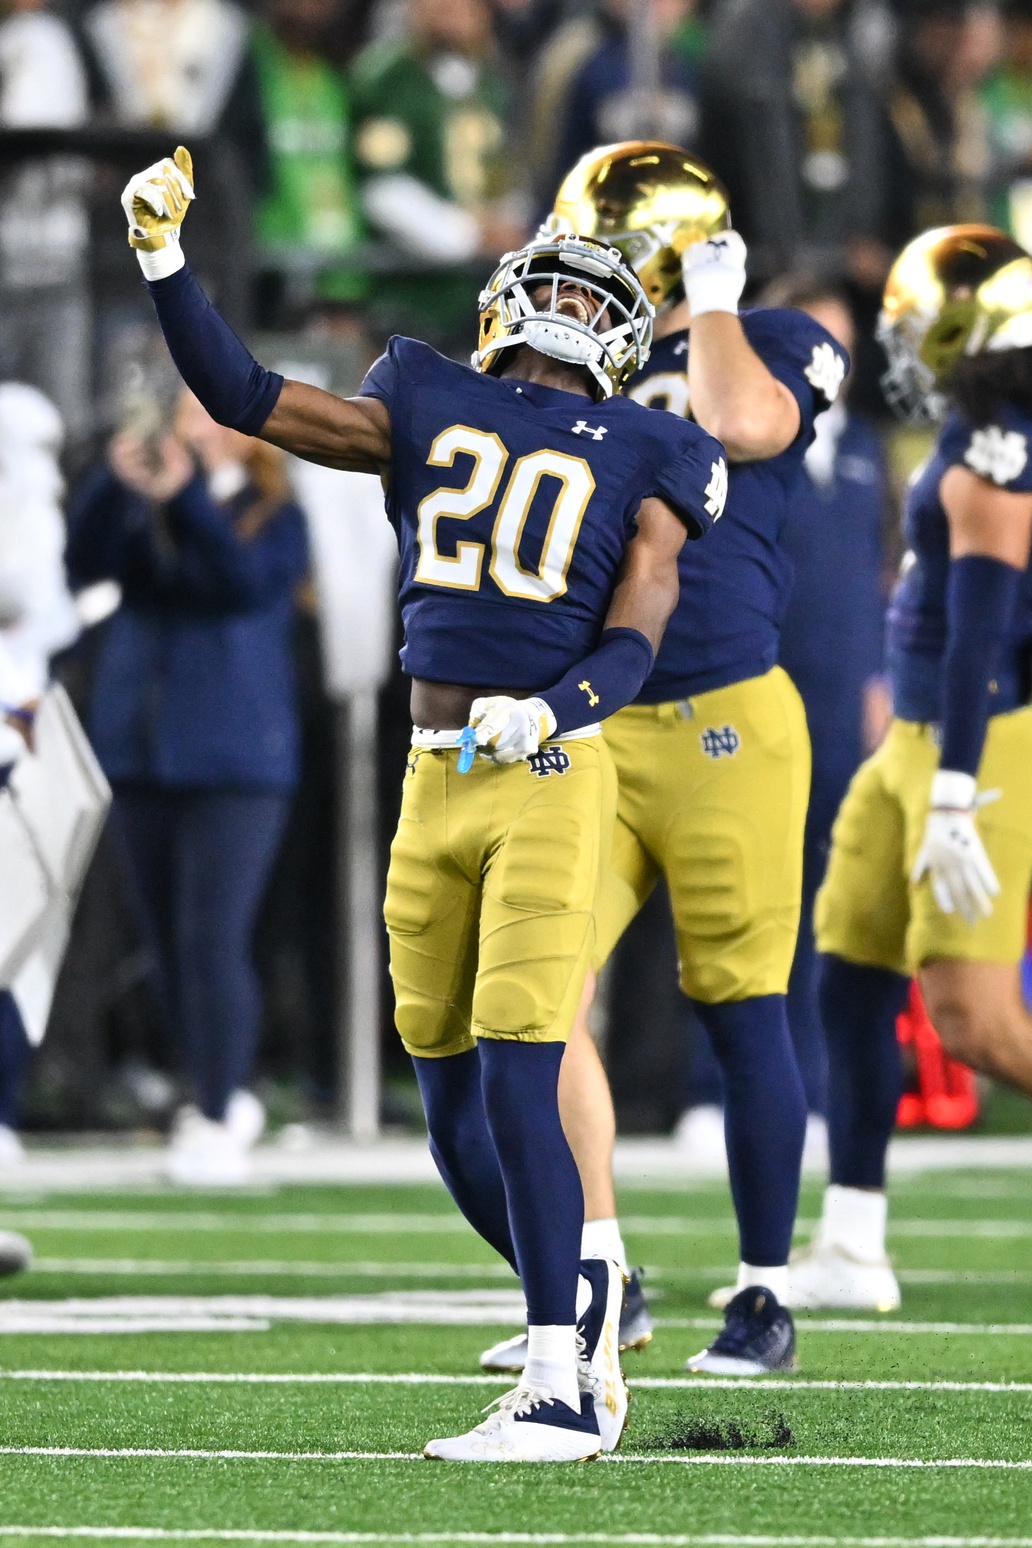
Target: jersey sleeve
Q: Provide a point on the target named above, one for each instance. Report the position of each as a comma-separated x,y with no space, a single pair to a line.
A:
381,380
997,451
801,354
690,474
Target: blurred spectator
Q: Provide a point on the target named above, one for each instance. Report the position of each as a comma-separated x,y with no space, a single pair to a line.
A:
37,618
640,82
44,315
793,124
1006,97
195,722
181,65
831,638
550,83
440,178
937,158
311,203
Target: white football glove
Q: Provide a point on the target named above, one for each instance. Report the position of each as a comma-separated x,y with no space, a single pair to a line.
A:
952,855
155,202
510,729
714,273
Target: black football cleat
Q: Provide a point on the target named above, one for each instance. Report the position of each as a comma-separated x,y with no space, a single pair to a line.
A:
758,1338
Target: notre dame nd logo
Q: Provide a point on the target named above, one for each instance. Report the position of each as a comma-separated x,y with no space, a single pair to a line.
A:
720,742
549,760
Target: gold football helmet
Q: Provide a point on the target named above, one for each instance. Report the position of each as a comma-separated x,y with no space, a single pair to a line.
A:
607,329
954,291
651,201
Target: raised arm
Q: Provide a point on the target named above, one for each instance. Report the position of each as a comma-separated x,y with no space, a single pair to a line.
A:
733,394
352,433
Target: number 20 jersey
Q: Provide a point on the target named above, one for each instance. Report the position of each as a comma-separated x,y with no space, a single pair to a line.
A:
734,589
513,505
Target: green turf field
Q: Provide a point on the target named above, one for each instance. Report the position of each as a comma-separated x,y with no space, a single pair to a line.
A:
902,1429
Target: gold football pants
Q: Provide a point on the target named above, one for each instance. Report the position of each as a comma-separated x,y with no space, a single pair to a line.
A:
491,894
712,796
868,910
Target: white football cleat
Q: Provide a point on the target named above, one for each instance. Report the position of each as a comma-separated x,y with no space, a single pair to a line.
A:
245,1118
699,1135
15,1252
12,1151
528,1424
826,1275
206,1154
600,1298
507,1358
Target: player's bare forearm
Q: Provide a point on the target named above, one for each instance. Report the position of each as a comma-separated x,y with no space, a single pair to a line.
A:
647,591
350,433
732,393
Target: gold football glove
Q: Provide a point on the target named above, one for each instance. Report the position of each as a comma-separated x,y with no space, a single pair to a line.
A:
156,200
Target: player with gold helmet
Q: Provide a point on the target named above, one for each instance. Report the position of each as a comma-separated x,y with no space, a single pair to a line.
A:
713,757
931,858
539,515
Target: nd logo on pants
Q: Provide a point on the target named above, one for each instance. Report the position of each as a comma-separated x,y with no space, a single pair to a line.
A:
491,893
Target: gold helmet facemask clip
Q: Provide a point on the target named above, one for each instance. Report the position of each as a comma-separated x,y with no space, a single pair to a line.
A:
953,292
611,338
650,200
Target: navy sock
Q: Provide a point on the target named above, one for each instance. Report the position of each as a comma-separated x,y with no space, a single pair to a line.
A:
542,1184
15,1057
859,1006
764,1120
462,1147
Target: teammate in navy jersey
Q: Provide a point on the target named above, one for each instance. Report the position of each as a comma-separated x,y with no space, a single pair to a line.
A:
931,856
539,520
712,758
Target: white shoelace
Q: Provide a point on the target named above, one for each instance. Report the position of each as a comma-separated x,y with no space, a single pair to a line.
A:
512,1404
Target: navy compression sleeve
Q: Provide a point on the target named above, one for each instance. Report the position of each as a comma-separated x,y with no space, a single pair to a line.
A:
214,364
603,682
981,594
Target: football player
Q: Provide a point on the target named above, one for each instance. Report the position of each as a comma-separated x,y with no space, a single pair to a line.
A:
931,855
539,520
713,758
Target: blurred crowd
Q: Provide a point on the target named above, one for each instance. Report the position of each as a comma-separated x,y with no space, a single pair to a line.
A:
379,153
361,165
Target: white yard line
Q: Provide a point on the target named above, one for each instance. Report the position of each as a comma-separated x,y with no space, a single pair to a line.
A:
433,1224
621,1458
420,1379
342,1269
623,1539
258,1267
807,1324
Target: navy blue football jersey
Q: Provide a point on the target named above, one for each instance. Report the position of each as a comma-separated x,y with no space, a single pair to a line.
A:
513,505
734,588
1000,452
